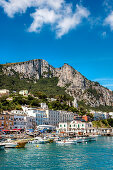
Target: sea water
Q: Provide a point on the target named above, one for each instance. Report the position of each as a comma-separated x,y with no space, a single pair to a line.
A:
89,155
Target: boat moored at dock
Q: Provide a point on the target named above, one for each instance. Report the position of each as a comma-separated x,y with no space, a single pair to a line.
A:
2,146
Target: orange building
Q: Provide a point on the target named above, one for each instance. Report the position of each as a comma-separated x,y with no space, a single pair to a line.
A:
6,121
85,117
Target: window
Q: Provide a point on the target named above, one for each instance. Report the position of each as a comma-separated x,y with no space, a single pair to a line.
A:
64,125
70,125
60,125
2,123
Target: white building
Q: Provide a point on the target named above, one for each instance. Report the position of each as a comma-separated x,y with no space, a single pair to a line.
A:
64,126
18,112
74,126
111,114
41,117
4,92
20,122
44,106
23,92
66,116
48,117
29,111
98,115
30,122
53,117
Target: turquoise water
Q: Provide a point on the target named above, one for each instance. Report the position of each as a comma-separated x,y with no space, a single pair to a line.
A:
93,155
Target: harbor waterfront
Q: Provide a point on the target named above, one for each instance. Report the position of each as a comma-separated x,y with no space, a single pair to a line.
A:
88,155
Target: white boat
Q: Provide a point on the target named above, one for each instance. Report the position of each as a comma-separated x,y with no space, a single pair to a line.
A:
10,144
85,139
79,140
94,135
72,142
2,146
39,140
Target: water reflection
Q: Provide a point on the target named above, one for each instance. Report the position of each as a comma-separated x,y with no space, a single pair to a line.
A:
92,155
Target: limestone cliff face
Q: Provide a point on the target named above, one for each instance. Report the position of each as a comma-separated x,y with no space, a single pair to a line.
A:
76,84
83,89
30,69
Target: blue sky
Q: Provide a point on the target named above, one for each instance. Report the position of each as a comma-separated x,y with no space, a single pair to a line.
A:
77,32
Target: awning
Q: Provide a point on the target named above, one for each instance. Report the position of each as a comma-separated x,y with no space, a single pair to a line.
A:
62,132
6,130
16,129
12,130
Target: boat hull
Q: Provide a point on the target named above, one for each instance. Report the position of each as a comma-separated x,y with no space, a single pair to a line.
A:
10,145
2,146
66,142
21,144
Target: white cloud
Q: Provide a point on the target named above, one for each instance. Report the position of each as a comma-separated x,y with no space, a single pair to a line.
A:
71,21
43,16
57,13
12,7
109,20
63,20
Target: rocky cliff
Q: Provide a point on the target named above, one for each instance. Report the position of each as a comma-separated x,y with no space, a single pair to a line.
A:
78,86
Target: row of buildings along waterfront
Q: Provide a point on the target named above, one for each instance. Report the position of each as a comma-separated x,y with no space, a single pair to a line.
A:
29,118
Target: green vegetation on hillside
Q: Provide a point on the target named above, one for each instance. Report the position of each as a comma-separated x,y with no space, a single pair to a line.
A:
46,85
103,123
46,88
49,87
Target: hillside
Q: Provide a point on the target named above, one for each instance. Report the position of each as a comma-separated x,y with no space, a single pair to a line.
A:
103,123
54,81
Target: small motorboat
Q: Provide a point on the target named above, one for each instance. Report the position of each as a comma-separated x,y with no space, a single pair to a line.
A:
72,142
39,140
14,144
10,145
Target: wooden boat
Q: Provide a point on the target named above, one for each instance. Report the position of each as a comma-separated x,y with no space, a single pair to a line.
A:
21,143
